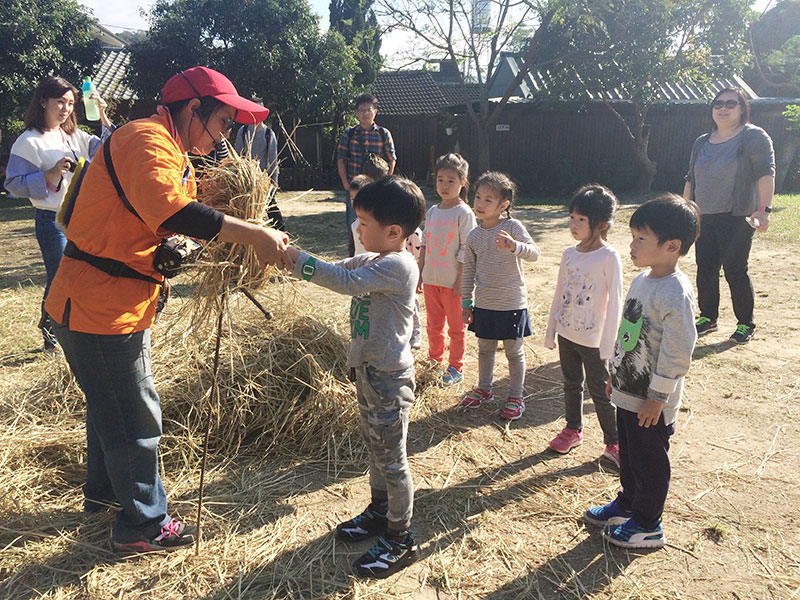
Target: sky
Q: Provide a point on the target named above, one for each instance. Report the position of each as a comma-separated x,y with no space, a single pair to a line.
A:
118,15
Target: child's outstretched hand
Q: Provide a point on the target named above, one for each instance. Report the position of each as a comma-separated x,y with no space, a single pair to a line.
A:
505,242
650,413
466,315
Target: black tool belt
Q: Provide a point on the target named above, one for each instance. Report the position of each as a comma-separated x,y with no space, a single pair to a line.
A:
110,266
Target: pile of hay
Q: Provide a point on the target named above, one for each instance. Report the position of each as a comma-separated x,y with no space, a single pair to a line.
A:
283,383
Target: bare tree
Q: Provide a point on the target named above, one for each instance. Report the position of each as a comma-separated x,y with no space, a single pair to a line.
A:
473,33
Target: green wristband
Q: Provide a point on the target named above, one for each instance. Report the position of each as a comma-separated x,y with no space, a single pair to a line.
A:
309,267
466,303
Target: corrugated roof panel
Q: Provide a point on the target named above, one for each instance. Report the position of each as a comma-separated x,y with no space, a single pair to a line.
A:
679,91
110,73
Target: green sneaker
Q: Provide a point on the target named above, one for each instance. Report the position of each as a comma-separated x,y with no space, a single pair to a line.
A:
743,334
705,325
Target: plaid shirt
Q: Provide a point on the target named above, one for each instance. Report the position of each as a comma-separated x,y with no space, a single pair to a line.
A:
356,143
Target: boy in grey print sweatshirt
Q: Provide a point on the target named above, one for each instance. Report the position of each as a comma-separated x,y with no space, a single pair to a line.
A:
652,355
383,284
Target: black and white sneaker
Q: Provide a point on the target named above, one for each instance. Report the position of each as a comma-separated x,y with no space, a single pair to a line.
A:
705,325
386,557
365,525
743,334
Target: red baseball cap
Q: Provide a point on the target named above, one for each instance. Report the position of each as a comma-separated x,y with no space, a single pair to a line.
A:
202,81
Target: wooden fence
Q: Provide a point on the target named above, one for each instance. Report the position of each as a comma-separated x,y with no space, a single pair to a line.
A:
554,149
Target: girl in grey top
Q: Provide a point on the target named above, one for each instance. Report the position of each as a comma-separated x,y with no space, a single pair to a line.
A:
493,271
732,179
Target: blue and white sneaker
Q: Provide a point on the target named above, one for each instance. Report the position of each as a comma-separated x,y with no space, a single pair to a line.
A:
452,376
632,535
386,557
363,526
610,514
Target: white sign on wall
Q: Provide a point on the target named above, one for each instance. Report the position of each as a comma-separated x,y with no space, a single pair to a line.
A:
502,127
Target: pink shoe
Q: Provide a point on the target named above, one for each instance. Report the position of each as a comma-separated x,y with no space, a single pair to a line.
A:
513,409
567,440
612,453
476,398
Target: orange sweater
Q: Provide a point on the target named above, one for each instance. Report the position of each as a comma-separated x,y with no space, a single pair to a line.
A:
158,181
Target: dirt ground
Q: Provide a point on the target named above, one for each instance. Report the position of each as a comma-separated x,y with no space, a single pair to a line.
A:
497,514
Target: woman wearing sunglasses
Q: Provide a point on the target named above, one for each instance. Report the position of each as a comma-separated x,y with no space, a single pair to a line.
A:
732,179
104,295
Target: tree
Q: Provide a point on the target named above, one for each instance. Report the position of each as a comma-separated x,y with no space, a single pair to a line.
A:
41,38
645,42
775,44
269,48
791,148
357,23
475,40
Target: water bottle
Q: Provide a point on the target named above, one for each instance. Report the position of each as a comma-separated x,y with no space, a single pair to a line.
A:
91,107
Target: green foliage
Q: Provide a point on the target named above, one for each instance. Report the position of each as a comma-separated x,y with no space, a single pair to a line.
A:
270,48
356,21
632,44
792,115
40,38
775,64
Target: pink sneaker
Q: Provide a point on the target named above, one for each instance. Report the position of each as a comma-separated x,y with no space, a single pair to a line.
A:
612,453
513,409
476,398
567,440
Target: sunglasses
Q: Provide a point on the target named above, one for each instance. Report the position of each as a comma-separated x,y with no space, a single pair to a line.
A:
717,104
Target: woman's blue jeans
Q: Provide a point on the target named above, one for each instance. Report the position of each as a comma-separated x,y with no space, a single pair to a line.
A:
51,243
123,427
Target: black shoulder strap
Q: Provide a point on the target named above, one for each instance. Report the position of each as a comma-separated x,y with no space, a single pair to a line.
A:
113,174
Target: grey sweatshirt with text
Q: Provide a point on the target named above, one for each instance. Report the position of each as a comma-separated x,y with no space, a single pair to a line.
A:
382,307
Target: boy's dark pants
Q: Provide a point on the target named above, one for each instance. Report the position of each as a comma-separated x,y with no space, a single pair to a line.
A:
643,467
384,401
725,242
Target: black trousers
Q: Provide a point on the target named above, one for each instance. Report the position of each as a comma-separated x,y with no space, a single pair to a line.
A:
725,243
644,470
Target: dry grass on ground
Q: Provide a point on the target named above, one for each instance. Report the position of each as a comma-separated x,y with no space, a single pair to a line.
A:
496,514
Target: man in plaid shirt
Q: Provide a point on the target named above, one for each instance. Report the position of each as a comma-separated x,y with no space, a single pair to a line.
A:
357,142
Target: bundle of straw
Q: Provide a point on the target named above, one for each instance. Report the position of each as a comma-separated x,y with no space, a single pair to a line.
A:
283,384
239,188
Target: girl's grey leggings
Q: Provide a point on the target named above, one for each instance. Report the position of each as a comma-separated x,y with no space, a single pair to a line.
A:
516,364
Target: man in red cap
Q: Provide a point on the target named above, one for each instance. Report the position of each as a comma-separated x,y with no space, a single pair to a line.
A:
103,297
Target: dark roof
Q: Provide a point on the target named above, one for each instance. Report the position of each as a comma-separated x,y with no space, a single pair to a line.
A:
536,82
110,72
408,93
453,93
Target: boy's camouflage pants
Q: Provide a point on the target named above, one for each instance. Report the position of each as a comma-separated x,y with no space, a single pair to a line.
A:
384,400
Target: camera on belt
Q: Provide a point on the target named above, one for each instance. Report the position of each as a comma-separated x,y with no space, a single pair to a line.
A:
174,254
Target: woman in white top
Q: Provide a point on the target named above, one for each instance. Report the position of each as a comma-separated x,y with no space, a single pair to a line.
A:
41,163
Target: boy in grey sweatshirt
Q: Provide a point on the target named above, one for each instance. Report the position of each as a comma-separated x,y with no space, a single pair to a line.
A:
652,355
383,284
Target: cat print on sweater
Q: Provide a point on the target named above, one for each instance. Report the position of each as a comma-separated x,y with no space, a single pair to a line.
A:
631,365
